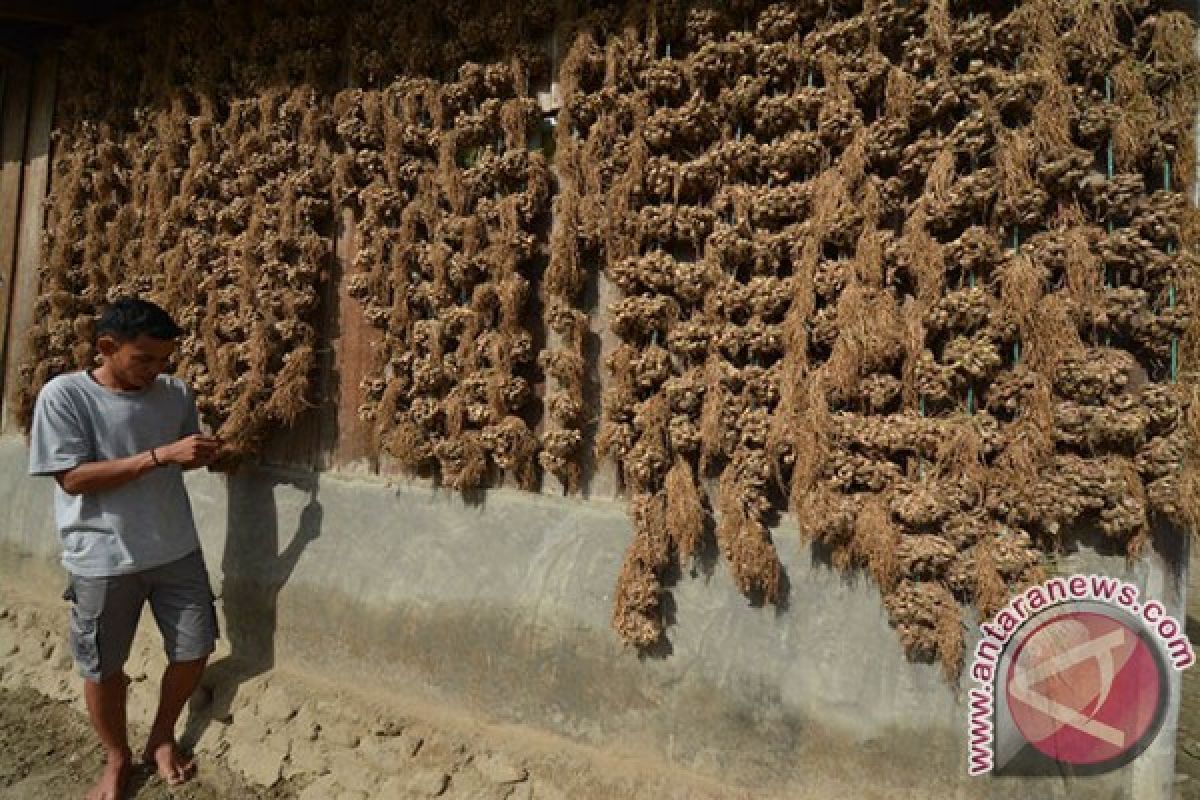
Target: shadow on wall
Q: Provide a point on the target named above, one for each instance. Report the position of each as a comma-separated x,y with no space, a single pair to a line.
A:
255,570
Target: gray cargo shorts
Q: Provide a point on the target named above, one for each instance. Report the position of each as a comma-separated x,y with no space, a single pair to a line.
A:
105,614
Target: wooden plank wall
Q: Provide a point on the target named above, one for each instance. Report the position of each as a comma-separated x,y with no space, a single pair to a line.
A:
14,113
24,181
353,341
330,435
304,444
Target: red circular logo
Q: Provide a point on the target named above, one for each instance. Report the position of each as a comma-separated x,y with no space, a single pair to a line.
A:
1084,688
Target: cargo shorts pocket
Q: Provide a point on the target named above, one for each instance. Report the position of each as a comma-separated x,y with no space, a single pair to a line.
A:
85,645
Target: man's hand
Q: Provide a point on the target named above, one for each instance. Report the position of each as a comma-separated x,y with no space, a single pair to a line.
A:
190,452
97,476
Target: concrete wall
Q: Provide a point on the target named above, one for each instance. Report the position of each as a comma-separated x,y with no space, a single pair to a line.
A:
501,607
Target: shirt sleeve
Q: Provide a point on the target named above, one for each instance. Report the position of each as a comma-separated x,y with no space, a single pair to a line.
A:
59,438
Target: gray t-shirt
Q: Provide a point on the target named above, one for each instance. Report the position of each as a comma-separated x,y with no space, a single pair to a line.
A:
142,524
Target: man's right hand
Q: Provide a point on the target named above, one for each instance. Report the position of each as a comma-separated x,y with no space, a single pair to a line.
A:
98,476
190,452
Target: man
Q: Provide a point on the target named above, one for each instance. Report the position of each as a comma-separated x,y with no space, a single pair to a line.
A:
117,439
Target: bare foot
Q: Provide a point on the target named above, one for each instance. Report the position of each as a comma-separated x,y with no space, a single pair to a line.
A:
172,766
111,783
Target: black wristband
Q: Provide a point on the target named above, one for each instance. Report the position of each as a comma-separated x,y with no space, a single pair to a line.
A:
154,458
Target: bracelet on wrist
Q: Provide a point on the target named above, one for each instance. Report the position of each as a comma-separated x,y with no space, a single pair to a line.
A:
154,458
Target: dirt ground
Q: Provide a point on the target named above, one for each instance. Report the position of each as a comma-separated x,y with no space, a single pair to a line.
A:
47,750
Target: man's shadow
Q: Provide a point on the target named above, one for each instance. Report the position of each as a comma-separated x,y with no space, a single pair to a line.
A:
254,573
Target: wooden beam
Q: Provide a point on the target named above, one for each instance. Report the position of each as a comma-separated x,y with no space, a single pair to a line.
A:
35,182
353,346
14,112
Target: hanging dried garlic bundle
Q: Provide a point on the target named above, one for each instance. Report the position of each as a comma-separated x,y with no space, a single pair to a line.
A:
449,205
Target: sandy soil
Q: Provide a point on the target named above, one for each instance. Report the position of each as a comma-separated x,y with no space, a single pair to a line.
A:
47,750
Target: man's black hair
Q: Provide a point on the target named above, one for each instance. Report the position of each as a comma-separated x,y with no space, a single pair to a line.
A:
127,318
